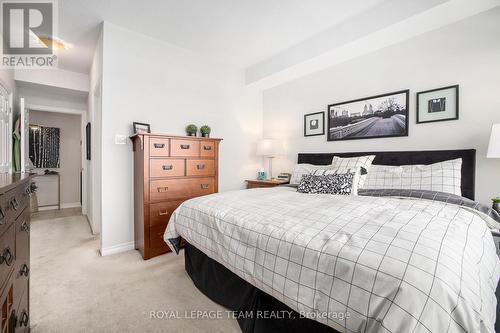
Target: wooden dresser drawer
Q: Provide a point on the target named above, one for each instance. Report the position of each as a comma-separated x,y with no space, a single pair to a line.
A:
200,168
9,311
159,147
22,266
15,201
181,188
181,147
22,227
207,149
22,322
167,168
156,236
160,212
4,203
7,253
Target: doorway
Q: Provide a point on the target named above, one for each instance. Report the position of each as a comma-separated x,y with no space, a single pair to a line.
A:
54,151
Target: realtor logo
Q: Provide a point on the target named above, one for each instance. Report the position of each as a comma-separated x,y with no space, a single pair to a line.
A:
28,30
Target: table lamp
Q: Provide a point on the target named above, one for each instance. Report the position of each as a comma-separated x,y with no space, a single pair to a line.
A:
494,147
494,152
270,148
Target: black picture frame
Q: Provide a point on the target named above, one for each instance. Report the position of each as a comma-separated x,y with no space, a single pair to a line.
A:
322,123
457,103
88,141
137,127
404,133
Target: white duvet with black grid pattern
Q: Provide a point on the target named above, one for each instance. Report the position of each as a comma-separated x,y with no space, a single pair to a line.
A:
392,264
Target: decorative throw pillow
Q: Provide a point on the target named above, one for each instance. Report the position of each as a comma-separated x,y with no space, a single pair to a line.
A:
334,183
365,162
442,177
306,169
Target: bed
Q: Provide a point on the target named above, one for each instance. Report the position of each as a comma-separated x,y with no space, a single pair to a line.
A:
342,263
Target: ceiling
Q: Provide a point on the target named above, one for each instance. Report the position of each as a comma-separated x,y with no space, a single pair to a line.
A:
236,32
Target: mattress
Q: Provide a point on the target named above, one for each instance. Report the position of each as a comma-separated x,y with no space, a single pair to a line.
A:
354,263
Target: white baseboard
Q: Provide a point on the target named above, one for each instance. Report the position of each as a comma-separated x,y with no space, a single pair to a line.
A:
107,251
71,205
63,206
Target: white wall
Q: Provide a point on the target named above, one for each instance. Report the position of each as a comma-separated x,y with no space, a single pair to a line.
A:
70,158
58,99
149,81
7,79
465,53
55,78
92,168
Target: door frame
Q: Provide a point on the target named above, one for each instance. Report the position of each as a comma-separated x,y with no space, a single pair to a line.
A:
83,120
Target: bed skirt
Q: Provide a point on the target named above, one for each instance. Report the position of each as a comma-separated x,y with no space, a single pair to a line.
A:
229,290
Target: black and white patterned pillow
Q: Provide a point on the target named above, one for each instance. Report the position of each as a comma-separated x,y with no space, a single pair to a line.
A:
338,183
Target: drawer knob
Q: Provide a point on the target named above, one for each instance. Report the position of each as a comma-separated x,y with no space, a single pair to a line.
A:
167,167
200,166
6,257
14,204
204,186
184,146
162,189
25,227
159,145
25,318
163,212
24,270
207,147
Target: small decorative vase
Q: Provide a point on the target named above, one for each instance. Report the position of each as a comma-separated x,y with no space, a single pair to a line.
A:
191,134
496,207
261,175
205,135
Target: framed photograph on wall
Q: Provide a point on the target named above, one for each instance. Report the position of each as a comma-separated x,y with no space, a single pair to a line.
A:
88,141
437,105
314,124
379,116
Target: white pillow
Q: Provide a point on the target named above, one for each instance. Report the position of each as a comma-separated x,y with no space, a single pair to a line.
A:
305,169
443,177
354,162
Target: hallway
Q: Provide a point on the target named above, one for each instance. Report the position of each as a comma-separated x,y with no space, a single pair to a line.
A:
73,289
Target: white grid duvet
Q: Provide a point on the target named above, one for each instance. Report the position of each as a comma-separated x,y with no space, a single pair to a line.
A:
390,264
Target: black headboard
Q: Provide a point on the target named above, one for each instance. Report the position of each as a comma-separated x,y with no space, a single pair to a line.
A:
410,158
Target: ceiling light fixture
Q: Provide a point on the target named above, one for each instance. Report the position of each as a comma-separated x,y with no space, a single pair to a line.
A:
57,43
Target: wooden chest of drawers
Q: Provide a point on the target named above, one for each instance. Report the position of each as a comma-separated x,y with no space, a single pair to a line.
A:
167,171
14,252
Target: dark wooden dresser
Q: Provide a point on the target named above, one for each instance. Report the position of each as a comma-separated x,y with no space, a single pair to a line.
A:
167,171
14,251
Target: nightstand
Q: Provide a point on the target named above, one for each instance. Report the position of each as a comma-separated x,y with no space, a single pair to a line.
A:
254,183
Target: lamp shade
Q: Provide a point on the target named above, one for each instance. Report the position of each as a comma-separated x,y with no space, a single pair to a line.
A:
270,147
494,147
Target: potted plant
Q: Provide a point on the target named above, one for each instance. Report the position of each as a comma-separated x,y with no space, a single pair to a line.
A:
496,204
205,131
191,130
33,198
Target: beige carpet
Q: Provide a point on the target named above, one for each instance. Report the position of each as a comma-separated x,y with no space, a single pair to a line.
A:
73,289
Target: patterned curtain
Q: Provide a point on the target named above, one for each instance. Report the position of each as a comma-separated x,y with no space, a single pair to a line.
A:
44,146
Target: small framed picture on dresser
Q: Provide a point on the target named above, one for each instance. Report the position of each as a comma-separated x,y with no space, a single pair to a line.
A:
314,124
437,105
141,128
